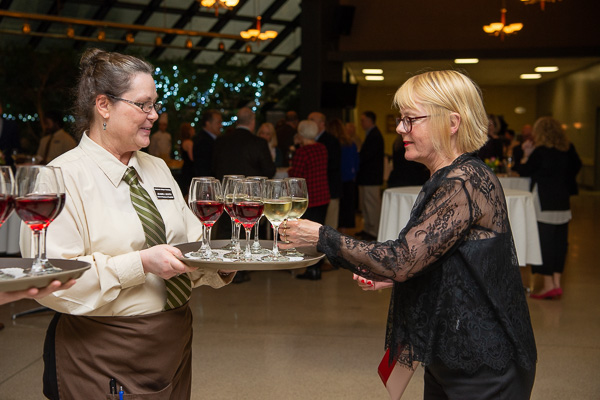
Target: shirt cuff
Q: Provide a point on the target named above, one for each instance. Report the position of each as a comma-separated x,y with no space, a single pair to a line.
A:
130,270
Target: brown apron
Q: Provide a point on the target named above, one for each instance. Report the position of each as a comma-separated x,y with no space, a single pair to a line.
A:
148,355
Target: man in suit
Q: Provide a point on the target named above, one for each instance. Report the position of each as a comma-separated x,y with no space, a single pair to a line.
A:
334,167
370,176
204,142
285,136
240,152
9,137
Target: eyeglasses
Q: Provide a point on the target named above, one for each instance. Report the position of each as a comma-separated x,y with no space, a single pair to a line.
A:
146,107
407,122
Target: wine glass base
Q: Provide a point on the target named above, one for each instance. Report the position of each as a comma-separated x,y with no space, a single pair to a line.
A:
261,250
203,255
275,257
229,246
234,255
293,253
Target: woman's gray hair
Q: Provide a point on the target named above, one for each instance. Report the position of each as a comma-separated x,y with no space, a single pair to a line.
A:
308,129
103,72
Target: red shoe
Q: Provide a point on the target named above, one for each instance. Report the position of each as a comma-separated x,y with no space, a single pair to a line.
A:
550,294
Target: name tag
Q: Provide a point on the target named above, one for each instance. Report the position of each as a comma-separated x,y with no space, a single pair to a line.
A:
164,193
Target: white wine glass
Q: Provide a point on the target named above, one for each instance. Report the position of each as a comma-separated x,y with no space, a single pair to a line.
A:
206,202
299,195
256,247
277,205
37,203
248,208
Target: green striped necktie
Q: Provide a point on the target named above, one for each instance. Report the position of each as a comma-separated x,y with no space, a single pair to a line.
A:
179,288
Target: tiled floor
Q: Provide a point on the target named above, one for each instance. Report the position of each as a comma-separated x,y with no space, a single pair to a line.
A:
276,337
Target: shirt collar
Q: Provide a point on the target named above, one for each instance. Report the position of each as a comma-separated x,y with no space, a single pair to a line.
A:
212,135
108,163
319,135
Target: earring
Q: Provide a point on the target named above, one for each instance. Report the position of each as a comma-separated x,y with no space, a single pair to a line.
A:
104,126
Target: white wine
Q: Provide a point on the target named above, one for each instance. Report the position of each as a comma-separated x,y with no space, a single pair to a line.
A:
277,210
299,206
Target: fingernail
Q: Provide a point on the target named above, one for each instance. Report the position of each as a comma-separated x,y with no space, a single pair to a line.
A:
370,283
362,281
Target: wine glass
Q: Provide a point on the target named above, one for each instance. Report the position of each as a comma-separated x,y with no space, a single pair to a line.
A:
37,203
7,191
256,247
60,181
277,205
299,194
234,246
248,208
206,202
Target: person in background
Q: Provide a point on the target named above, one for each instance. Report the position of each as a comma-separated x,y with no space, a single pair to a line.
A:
9,138
517,150
161,141
310,163
267,132
351,129
370,176
350,163
458,304
404,172
285,136
552,163
493,148
334,167
56,141
211,123
128,316
186,134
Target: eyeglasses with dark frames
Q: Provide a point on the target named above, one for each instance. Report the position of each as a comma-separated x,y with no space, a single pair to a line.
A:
407,122
145,107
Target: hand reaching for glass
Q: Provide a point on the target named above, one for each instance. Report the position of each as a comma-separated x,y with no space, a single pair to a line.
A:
299,233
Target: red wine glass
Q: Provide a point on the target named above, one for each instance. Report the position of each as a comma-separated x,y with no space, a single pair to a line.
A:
248,208
206,202
37,203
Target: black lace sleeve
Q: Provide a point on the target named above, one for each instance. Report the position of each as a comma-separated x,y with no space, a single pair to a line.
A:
437,225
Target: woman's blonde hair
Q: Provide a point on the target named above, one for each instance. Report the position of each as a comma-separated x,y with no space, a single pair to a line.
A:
270,130
442,93
548,132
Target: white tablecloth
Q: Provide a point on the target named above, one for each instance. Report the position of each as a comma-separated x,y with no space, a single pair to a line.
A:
514,182
398,202
9,236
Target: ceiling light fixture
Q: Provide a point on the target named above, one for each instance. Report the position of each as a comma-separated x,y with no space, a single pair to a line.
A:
129,38
216,4
189,44
374,78
546,69
256,35
500,28
542,2
101,34
530,76
375,71
466,60
70,32
26,28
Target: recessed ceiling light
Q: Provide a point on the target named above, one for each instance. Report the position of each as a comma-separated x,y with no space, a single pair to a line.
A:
466,60
367,71
546,69
531,76
374,77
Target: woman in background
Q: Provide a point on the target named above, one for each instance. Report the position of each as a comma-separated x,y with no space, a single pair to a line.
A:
186,135
552,163
267,132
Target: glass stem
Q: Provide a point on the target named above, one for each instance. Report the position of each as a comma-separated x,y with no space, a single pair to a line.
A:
43,256
275,233
206,242
233,232
248,252
238,232
37,266
256,244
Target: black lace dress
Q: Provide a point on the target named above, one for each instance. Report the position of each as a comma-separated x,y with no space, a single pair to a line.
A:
458,294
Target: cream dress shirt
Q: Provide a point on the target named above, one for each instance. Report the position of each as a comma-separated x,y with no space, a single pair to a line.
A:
99,225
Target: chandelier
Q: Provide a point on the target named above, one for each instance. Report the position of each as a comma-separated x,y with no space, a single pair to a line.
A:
542,2
500,28
256,35
216,4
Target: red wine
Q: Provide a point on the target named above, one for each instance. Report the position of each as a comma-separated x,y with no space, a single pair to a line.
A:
62,198
208,211
37,211
7,204
248,212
